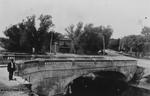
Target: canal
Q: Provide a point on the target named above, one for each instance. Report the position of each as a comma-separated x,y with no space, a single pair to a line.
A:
103,85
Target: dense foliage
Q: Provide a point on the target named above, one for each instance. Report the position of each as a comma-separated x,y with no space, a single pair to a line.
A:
89,39
114,44
74,35
133,43
26,35
137,43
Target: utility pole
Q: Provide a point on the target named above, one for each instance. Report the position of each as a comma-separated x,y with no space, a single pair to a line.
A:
51,42
103,44
119,46
55,48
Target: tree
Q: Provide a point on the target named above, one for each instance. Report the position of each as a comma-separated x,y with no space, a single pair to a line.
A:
93,38
107,32
129,42
114,44
146,33
88,39
25,36
11,43
74,35
133,43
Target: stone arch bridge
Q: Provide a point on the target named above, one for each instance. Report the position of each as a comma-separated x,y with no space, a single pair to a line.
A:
51,76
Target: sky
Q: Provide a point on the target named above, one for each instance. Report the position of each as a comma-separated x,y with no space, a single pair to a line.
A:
126,17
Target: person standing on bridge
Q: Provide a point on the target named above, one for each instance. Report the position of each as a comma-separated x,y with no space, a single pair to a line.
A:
11,67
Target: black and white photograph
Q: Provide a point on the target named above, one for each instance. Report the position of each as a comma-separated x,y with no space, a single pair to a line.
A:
74,47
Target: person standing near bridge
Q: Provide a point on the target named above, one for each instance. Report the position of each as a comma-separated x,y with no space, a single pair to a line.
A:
11,67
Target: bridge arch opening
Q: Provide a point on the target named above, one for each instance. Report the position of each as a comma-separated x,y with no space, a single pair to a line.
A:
102,83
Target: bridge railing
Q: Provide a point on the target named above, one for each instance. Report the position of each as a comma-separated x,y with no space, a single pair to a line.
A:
4,59
82,62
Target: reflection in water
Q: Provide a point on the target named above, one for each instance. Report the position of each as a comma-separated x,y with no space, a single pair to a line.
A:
134,91
100,86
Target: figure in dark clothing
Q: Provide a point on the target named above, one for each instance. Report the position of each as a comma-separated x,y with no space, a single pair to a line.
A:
11,68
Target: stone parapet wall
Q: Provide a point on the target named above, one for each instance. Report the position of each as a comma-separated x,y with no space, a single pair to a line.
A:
43,65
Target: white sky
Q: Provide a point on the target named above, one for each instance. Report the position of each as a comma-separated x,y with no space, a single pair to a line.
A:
126,17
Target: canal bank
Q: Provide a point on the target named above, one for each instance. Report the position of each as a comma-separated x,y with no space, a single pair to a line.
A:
17,87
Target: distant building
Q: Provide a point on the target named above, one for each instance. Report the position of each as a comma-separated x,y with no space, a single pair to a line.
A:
64,45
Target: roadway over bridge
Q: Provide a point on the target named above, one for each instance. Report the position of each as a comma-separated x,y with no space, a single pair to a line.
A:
51,76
